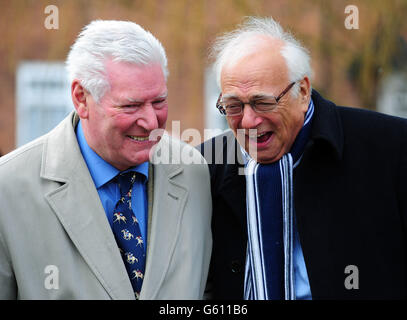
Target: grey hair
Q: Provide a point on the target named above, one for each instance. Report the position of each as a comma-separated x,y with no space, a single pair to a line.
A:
241,42
121,41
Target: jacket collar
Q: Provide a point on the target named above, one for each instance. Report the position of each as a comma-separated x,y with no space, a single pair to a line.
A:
61,151
326,125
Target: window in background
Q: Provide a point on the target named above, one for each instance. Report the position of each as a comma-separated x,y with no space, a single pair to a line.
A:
43,98
393,95
213,119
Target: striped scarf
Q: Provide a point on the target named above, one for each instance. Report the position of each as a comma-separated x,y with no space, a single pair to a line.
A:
269,271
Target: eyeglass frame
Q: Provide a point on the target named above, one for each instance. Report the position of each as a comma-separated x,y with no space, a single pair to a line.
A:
252,104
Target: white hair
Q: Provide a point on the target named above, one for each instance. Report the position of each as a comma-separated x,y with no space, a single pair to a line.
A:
242,41
121,41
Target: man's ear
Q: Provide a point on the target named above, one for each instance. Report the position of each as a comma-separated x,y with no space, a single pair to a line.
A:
79,95
305,91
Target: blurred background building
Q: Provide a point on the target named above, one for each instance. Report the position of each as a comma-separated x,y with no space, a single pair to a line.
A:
364,67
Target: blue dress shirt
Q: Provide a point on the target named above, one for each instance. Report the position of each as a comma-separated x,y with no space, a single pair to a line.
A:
302,287
102,174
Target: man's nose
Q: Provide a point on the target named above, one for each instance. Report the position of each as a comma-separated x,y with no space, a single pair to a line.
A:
147,118
250,119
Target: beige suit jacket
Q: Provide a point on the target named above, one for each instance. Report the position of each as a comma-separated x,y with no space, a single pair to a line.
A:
55,239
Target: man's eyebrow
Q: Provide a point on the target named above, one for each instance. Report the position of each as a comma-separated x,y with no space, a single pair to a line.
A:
229,97
131,100
262,96
163,96
257,96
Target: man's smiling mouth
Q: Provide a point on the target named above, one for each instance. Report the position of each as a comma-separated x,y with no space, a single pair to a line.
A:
136,138
261,137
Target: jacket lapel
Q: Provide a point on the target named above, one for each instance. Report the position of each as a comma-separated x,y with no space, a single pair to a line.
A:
76,203
167,198
233,185
233,191
326,125
323,151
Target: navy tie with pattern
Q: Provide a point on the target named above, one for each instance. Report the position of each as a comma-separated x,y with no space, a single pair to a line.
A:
127,232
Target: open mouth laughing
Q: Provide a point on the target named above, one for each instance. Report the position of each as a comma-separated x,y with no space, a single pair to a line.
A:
139,138
261,138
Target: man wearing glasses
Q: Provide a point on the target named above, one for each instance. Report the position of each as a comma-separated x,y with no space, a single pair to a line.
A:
311,203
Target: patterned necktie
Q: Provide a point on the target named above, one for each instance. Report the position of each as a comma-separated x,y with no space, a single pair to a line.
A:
127,232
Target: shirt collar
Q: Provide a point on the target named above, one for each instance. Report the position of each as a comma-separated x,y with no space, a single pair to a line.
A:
100,170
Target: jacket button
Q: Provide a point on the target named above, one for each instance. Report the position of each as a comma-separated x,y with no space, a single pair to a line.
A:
236,266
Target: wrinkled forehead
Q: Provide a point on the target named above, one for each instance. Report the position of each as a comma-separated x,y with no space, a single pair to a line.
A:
131,82
251,43
260,57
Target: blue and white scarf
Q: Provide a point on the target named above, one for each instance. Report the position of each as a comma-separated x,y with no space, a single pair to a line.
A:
269,271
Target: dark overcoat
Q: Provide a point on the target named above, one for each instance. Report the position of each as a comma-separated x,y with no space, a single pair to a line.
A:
350,196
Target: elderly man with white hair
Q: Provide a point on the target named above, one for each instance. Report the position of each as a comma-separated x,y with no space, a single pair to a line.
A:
311,203
87,211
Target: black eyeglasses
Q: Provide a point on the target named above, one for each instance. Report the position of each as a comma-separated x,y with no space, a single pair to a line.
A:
261,103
